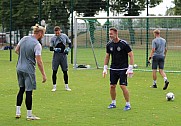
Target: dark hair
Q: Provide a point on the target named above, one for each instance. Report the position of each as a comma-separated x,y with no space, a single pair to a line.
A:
114,29
56,28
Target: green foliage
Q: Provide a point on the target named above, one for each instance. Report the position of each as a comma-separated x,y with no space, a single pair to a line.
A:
86,104
177,9
131,7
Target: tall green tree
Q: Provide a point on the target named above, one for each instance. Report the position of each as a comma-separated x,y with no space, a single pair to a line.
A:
177,8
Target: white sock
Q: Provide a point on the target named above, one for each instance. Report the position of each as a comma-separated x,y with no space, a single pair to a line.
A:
154,82
66,86
165,78
18,110
114,102
29,113
127,103
54,86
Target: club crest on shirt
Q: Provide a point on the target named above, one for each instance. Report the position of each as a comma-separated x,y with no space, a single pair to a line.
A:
118,48
111,48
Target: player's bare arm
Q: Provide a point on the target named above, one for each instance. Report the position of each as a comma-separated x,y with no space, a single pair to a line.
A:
106,61
17,49
151,54
131,56
41,67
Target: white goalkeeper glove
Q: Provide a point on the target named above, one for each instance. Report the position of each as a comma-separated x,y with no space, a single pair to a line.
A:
129,71
104,71
57,50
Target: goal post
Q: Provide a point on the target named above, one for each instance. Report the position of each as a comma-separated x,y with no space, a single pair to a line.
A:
136,30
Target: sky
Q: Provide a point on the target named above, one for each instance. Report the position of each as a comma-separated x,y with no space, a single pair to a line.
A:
160,9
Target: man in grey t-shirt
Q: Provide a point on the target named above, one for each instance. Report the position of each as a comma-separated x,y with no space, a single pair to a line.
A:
158,54
29,52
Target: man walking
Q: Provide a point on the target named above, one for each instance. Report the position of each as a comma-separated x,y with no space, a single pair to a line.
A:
158,54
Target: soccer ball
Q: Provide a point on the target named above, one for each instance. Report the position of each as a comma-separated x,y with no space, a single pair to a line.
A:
135,66
88,66
170,96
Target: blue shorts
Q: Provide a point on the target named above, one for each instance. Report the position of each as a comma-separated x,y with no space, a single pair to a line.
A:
116,75
158,61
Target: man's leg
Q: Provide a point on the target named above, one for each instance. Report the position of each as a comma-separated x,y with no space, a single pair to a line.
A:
126,97
113,96
28,102
162,73
19,101
54,79
65,76
154,71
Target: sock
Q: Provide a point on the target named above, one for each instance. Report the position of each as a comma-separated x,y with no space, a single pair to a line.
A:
165,78
54,86
66,86
29,113
154,82
18,110
114,102
127,103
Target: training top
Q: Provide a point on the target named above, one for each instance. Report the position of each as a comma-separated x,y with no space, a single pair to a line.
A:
29,48
119,54
159,44
63,38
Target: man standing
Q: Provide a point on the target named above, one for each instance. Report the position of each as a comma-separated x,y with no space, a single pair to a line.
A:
29,51
58,45
119,69
158,54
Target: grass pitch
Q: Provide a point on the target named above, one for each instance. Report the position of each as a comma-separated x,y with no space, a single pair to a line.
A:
86,104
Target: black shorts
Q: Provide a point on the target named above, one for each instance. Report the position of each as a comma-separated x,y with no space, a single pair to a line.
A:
116,75
158,61
59,59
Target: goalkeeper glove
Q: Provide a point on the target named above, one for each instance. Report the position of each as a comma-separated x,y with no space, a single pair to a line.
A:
57,50
129,71
104,71
66,51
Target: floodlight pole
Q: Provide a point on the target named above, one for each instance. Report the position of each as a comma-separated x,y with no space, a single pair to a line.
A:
72,28
10,30
107,21
147,28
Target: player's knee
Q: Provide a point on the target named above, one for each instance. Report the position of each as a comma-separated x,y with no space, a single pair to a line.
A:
112,86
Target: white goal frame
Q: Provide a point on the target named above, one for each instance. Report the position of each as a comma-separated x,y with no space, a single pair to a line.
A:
76,18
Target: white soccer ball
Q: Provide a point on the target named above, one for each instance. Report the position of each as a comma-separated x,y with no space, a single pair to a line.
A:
88,66
135,66
170,96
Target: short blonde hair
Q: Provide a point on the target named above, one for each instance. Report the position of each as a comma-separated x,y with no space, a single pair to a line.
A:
156,31
37,28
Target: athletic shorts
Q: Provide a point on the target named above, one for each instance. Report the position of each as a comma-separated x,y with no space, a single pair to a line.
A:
59,59
26,80
120,75
158,61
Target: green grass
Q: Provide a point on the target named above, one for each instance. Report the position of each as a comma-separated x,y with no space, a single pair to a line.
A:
86,104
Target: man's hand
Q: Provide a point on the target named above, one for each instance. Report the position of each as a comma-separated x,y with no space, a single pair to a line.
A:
44,79
66,51
104,71
57,50
129,71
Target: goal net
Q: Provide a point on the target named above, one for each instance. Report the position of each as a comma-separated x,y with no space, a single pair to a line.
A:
92,35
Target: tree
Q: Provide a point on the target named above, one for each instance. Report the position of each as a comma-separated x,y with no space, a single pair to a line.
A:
177,8
131,8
